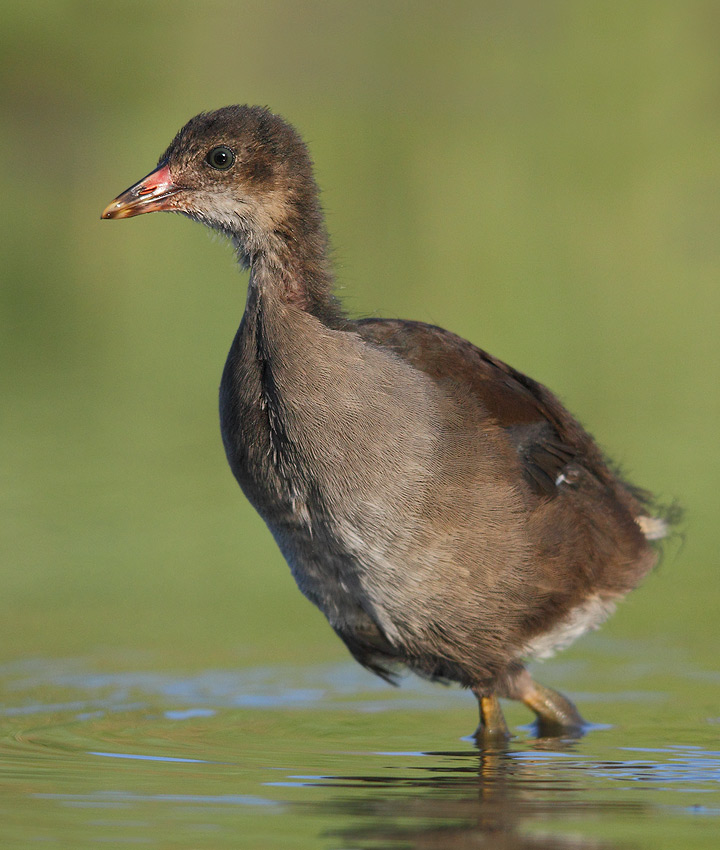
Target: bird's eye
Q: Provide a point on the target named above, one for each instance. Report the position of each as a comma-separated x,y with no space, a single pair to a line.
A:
220,157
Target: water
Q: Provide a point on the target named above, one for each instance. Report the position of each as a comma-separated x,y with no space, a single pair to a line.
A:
325,756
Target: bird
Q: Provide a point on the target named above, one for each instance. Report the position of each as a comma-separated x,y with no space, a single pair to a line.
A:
444,511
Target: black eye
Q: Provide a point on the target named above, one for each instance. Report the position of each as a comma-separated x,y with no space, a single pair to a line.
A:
220,157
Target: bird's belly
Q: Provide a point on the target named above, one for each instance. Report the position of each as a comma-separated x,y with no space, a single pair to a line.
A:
332,549
339,567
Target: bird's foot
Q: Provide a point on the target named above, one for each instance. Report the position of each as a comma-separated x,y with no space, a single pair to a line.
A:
556,715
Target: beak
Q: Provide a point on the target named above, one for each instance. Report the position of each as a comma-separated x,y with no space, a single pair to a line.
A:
151,194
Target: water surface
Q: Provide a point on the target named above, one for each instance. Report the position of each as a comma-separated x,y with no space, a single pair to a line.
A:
324,756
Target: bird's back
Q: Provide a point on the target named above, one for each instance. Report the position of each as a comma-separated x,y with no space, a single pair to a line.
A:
585,529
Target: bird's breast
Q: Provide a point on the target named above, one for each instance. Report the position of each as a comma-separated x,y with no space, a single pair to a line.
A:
333,443
356,462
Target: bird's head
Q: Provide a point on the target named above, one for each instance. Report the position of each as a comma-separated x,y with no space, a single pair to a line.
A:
241,170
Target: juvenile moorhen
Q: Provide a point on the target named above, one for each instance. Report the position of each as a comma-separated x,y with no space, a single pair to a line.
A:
444,511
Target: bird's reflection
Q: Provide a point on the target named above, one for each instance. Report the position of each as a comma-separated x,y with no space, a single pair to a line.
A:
489,797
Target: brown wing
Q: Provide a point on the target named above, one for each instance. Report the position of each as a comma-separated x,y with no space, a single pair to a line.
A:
545,435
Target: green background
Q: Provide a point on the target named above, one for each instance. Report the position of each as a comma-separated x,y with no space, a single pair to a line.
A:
542,178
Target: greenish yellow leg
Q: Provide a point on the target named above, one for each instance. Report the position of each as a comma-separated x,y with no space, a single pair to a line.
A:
555,712
492,723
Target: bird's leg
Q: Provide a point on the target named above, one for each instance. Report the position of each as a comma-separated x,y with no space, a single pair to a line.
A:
556,714
492,723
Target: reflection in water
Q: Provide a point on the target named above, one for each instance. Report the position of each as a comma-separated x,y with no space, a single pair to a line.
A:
198,760
491,799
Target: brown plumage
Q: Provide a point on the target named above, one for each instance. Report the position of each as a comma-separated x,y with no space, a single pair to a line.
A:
444,511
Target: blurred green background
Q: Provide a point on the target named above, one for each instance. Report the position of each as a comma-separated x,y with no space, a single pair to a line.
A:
542,178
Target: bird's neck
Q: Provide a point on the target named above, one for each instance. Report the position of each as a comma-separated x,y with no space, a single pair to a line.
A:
296,281
290,263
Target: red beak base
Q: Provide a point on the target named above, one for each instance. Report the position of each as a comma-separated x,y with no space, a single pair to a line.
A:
150,194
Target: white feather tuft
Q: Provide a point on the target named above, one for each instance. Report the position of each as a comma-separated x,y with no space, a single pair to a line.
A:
652,527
